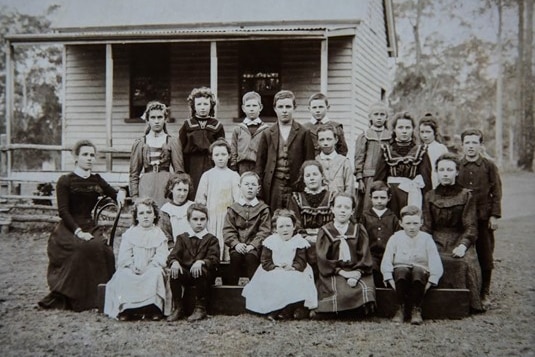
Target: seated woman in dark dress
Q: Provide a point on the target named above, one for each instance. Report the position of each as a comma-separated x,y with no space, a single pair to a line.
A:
79,258
450,216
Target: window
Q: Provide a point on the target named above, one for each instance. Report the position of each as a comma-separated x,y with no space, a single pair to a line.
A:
149,77
260,72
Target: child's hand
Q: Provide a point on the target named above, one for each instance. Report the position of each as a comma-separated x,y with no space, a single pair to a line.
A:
352,282
85,236
355,274
196,269
249,248
241,248
176,269
493,223
427,286
311,238
459,251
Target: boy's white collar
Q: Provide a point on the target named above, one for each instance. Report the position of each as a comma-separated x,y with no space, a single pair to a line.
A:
199,235
242,202
322,121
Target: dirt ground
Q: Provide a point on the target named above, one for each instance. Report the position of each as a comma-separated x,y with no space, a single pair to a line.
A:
505,330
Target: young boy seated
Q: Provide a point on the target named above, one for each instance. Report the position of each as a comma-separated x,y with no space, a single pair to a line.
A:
411,264
193,262
380,223
247,223
336,167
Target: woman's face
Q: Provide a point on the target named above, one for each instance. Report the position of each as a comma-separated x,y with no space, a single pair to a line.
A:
156,120
86,158
145,215
427,134
285,228
446,172
312,177
404,129
180,193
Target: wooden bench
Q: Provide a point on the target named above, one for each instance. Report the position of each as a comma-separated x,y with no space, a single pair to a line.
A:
227,300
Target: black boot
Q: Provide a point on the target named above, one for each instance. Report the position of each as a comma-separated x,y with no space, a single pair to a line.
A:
485,288
399,317
199,312
178,311
416,315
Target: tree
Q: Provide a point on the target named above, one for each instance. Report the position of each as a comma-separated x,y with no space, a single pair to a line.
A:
37,107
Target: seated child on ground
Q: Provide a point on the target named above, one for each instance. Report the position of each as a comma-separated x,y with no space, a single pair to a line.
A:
193,262
283,283
411,264
380,223
173,219
344,262
138,286
247,224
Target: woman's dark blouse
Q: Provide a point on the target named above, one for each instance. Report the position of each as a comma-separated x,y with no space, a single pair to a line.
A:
77,197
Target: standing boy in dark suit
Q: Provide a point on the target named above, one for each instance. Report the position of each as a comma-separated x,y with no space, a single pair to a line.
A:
282,150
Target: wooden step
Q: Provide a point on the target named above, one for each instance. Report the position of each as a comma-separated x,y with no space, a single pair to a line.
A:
438,303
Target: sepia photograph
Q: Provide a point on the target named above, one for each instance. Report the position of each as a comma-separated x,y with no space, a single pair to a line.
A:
267,178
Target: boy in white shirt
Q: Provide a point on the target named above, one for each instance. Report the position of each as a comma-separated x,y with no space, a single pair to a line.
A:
411,264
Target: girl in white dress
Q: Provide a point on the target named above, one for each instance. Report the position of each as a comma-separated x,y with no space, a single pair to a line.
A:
173,215
138,286
284,282
219,188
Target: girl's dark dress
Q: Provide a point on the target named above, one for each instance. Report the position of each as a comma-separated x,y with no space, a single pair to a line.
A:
450,216
196,135
76,266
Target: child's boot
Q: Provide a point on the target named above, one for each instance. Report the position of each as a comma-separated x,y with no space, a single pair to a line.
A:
199,312
178,311
416,316
485,288
400,314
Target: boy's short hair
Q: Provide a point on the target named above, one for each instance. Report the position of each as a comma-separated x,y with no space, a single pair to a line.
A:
284,94
283,212
251,95
196,207
147,201
472,131
318,96
429,120
410,211
248,174
328,127
175,180
220,142
380,186
449,156
345,194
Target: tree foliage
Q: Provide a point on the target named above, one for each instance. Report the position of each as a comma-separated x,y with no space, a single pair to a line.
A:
36,117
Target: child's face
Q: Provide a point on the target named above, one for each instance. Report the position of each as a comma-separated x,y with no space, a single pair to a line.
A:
379,199
411,225
342,209
202,107
318,108
471,146
284,108
252,108
446,172
198,221
404,129
249,187
427,134
327,141
285,228
145,215
312,177
220,156
156,120
180,193
378,118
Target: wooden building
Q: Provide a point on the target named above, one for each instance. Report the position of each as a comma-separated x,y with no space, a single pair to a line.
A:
120,54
